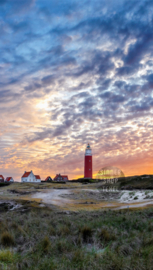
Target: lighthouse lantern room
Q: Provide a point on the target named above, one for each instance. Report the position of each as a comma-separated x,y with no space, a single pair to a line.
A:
88,162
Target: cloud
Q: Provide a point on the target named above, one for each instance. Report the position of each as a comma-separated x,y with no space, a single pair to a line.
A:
47,80
73,74
142,47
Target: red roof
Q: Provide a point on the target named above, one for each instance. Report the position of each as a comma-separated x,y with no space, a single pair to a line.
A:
1,176
57,175
47,178
8,179
26,174
37,177
64,177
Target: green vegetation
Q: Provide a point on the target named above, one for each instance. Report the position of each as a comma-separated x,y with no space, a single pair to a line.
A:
136,182
85,180
39,238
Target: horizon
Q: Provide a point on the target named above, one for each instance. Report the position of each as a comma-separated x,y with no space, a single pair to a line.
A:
73,73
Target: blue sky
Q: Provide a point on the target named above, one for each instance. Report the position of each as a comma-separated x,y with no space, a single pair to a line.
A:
73,72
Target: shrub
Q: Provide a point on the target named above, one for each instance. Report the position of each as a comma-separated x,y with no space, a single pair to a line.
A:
7,239
86,232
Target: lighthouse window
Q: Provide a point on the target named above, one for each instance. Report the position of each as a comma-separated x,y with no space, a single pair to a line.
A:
89,160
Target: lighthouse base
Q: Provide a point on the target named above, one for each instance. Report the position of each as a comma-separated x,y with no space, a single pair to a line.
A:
88,167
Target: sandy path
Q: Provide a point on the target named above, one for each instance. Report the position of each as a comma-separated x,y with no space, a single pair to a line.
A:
53,196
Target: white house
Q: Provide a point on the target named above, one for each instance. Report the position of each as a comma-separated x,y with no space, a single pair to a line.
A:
9,179
30,177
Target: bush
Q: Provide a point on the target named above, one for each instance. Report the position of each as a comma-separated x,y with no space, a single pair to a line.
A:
86,232
7,239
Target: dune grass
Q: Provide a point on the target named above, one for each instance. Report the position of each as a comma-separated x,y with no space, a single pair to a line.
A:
43,239
136,182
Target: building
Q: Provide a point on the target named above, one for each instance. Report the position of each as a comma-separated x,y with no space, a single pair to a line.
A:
48,179
65,177
88,162
9,179
38,177
60,177
30,177
1,178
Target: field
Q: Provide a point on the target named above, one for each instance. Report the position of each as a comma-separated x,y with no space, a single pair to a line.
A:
39,238
77,230
75,196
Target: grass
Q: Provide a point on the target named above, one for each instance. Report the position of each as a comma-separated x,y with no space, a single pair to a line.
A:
6,256
43,239
132,193
136,182
106,236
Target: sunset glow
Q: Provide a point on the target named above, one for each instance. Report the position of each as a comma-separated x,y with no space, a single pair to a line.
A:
73,73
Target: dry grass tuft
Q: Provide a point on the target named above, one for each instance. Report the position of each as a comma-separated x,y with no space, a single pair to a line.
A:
105,235
14,226
45,244
7,239
63,230
125,250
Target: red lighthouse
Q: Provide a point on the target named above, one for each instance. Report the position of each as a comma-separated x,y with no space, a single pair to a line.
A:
88,162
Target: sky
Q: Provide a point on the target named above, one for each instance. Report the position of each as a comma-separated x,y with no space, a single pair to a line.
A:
72,73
